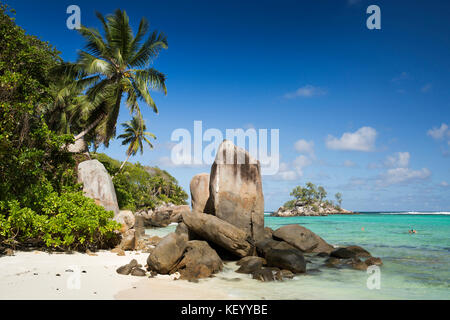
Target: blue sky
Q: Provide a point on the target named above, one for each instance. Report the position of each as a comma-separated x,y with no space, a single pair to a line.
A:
363,112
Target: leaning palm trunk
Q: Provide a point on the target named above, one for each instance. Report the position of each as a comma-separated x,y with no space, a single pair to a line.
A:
89,128
123,164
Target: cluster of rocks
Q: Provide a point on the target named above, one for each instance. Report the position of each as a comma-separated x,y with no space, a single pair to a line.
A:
351,256
98,185
316,209
226,223
162,216
132,268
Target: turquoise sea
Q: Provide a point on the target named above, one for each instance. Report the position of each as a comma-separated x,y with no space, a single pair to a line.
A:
416,266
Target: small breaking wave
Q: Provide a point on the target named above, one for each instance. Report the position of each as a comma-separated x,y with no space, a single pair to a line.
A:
419,213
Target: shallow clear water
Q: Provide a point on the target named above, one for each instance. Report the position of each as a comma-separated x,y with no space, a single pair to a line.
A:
416,266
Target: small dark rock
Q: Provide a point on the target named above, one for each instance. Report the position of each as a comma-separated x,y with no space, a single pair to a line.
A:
250,264
332,262
342,253
359,251
284,274
138,272
322,255
125,270
291,260
264,275
359,265
373,261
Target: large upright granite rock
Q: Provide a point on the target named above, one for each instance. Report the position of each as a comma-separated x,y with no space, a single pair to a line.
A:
218,232
98,185
199,187
302,238
236,190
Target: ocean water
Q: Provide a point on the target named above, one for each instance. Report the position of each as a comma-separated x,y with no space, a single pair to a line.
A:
416,266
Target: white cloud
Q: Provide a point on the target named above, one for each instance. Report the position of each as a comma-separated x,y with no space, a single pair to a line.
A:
306,92
361,140
398,160
439,133
303,146
294,170
402,176
302,162
444,184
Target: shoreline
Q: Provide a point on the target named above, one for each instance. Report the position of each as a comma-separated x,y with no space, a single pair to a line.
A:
38,275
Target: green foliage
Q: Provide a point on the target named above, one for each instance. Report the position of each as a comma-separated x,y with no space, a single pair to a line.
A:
65,221
134,136
118,63
308,194
311,195
142,187
338,197
39,200
290,204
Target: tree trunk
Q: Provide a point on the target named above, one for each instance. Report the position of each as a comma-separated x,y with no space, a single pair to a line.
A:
89,128
123,163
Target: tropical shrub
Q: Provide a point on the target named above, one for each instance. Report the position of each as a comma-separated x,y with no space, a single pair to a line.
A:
39,200
65,221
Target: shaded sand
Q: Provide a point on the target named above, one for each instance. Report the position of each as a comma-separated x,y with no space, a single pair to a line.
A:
41,276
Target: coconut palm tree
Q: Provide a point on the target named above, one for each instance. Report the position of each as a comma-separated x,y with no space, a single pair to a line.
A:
118,64
69,108
134,136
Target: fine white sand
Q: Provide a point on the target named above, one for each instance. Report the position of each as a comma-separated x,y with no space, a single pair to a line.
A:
41,276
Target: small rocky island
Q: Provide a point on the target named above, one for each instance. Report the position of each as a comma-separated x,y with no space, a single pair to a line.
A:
311,201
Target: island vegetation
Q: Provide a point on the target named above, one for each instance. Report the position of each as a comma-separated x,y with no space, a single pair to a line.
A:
311,200
47,104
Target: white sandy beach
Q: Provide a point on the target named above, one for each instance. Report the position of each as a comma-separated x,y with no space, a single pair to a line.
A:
41,276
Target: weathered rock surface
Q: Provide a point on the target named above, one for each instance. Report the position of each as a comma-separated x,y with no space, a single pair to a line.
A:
98,185
302,238
219,232
357,264
359,251
236,190
264,275
373,261
332,262
250,264
350,252
199,261
128,241
291,260
268,233
265,245
166,255
199,188
162,216
126,219
137,272
128,268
